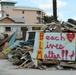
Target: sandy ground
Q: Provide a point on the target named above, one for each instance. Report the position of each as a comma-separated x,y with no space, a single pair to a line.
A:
6,68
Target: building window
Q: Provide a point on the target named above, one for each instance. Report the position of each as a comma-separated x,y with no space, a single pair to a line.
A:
7,15
38,18
31,35
39,12
7,28
22,12
36,28
22,17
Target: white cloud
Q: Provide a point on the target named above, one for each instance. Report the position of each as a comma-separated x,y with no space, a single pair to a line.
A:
46,5
61,3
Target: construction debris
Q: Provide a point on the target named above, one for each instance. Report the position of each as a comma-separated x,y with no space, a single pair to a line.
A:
19,51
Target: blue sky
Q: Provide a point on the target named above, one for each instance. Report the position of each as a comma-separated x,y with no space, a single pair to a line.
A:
66,8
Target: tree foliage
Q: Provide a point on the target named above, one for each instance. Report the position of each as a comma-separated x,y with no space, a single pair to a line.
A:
48,19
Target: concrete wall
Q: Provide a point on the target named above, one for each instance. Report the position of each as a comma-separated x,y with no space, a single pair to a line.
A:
2,29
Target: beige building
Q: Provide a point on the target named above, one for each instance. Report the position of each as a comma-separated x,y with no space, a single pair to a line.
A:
30,14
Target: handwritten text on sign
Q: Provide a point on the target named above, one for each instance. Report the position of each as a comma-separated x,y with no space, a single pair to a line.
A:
59,46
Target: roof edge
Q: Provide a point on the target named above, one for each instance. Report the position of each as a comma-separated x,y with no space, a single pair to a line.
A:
8,2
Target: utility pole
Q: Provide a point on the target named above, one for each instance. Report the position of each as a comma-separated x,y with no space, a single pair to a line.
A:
55,9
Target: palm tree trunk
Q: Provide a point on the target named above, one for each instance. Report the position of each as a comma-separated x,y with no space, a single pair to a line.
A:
55,9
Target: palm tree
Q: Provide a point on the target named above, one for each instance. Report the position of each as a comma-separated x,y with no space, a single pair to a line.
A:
55,9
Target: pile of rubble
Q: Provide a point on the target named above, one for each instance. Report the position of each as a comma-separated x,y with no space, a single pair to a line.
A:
59,27
19,52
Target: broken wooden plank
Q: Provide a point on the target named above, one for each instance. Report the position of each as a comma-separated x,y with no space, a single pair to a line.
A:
68,65
5,40
50,62
3,56
22,51
20,66
28,64
5,46
7,50
27,47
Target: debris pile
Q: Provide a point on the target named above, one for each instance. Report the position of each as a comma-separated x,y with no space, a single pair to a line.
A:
59,27
19,52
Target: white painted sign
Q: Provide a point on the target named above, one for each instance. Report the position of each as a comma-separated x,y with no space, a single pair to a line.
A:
59,46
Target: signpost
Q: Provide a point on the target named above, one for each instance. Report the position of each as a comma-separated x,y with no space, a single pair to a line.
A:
58,46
